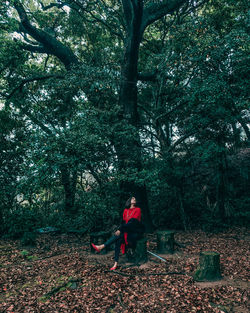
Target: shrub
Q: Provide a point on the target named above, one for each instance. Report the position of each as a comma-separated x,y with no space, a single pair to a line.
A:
20,221
28,239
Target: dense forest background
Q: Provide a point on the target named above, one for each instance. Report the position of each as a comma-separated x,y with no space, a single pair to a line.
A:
104,99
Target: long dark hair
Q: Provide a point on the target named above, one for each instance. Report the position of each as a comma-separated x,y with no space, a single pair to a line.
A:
128,202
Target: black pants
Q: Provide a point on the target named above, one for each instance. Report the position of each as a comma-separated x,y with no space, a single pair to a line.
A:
132,239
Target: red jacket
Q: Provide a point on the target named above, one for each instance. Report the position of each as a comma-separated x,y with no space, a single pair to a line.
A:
131,213
128,214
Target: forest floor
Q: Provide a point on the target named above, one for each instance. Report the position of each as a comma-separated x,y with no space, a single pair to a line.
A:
60,275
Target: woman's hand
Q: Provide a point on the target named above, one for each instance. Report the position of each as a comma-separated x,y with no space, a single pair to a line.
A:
117,233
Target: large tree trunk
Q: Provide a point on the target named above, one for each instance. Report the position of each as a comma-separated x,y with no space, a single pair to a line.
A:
137,18
129,151
69,180
222,182
182,210
1,220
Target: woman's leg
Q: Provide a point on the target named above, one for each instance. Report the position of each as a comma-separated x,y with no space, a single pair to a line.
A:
118,242
109,242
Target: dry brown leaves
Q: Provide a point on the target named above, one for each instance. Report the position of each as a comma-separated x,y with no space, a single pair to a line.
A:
61,277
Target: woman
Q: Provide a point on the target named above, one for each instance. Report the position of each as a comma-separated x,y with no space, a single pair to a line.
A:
128,233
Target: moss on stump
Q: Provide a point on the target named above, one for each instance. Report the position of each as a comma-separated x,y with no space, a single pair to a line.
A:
99,238
165,241
209,267
138,254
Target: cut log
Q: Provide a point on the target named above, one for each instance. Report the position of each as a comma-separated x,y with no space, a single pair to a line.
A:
209,267
165,241
138,254
98,239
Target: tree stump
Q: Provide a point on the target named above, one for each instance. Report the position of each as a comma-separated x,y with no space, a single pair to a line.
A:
138,254
209,267
98,239
165,241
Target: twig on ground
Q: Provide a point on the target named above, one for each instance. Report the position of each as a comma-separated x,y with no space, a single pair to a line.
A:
119,297
149,274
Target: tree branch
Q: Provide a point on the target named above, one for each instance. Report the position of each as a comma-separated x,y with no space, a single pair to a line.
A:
179,141
52,45
190,133
29,80
110,28
128,12
155,11
52,5
25,111
36,121
31,48
168,112
149,76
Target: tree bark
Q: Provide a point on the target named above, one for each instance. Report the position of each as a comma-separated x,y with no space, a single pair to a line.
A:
47,43
129,152
209,267
139,253
165,241
69,180
182,210
1,220
222,182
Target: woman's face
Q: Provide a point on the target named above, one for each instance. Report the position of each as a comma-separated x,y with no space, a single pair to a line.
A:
133,200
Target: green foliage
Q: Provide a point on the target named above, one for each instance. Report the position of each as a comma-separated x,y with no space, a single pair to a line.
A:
63,138
24,253
28,239
21,223
12,153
